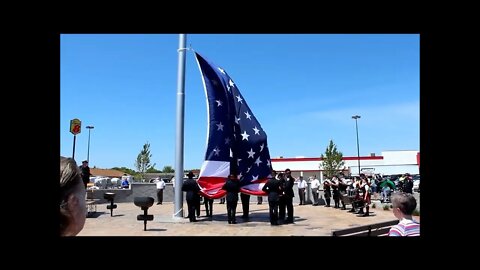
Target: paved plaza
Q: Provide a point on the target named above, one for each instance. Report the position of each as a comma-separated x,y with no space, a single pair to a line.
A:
309,221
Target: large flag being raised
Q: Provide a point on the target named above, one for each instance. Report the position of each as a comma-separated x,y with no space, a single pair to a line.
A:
236,141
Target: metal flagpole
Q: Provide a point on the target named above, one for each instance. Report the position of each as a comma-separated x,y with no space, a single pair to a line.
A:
178,202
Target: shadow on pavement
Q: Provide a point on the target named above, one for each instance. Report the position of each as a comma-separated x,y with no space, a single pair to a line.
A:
95,214
156,230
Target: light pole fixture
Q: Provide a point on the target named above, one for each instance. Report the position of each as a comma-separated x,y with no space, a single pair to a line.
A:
358,145
88,149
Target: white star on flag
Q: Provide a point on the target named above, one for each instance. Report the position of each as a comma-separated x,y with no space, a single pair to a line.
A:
244,135
258,161
239,99
251,153
220,126
256,130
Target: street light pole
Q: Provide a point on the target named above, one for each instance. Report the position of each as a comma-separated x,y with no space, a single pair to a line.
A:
358,145
88,149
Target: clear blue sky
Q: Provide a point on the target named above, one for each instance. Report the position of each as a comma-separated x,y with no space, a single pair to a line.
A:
303,89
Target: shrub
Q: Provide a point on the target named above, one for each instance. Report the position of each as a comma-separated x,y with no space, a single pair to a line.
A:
385,207
374,205
416,212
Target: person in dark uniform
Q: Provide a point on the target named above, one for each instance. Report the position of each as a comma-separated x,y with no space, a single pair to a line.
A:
197,206
327,191
273,189
208,206
365,190
408,185
342,188
245,198
193,197
85,172
355,189
289,183
232,186
336,193
282,202
259,199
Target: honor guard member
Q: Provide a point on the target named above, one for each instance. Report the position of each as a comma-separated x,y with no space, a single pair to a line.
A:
245,198
289,183
327,191
232,186
190,186
272,188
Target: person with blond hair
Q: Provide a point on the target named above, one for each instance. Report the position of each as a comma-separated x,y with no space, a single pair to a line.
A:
403,206
73,210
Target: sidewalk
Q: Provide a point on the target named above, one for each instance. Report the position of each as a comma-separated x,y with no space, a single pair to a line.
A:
309,221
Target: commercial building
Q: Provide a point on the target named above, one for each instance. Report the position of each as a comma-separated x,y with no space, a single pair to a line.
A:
389,162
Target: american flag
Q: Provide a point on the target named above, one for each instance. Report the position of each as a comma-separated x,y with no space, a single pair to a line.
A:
236,142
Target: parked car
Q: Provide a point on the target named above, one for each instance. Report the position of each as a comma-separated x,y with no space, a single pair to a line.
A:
152,180
416,185
167,180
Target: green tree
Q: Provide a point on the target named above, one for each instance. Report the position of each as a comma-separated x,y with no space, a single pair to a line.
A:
153,170
331,160
143,161
125,170
168,169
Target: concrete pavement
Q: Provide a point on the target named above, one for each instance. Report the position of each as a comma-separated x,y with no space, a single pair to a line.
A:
309,221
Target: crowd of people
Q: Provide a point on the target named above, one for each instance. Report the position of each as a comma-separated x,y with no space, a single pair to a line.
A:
279,189
280,193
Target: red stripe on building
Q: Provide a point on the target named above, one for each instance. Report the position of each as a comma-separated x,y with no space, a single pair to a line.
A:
319,159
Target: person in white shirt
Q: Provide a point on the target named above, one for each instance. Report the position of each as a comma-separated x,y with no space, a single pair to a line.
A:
315,185
160,187
302,185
